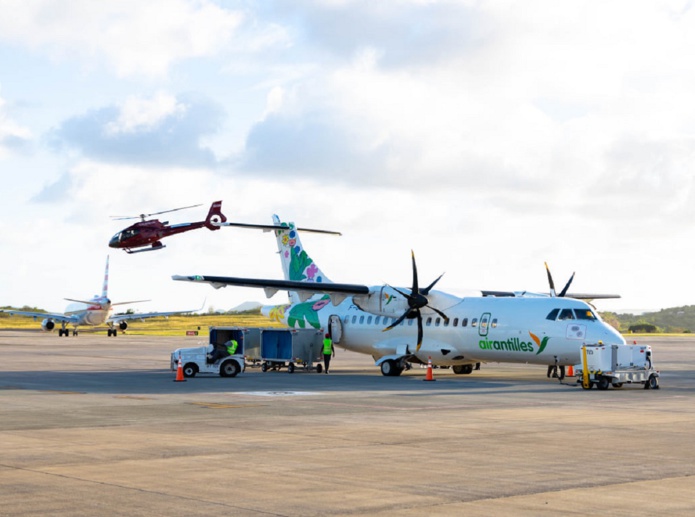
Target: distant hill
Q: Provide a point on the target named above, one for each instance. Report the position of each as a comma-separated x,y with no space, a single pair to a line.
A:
675,319
246,308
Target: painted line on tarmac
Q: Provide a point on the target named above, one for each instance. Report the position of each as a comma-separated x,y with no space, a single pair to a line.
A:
279,393
217,405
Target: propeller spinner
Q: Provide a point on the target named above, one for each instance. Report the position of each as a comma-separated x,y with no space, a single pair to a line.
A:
417,299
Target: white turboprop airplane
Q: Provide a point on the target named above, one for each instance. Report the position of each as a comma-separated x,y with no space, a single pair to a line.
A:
422,324
94,312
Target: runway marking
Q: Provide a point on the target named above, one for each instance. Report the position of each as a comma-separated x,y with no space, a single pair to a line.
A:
218,405
279,393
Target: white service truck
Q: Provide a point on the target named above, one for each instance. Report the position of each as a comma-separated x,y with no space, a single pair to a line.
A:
200,359
615,365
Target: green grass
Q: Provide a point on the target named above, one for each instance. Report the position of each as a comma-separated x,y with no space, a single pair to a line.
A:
171,326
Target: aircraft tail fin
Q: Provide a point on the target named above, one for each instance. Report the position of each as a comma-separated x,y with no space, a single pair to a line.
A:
105,287
215,216
297,265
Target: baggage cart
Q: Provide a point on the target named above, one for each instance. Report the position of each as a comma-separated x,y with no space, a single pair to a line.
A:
616,365
291,348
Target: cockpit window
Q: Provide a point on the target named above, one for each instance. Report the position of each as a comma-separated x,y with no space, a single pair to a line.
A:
552,315
566,314
584,314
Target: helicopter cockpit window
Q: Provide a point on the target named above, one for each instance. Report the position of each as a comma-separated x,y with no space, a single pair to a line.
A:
584,314
552,315
566,314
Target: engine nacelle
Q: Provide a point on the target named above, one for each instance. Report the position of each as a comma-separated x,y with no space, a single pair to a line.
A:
123,325
48,325
384,301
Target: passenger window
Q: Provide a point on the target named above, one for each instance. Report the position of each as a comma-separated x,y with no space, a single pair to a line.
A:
369,320
456,321
566,314
361,320
410,323
493,324
474,322
347,319
446,323
377,320
354,319
552,315
464,322
437,322
429,322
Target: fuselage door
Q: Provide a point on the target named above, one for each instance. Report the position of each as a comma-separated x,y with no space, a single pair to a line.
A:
336,328
484,324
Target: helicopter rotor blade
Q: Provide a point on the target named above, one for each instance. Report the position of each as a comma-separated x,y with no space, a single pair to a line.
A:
142,216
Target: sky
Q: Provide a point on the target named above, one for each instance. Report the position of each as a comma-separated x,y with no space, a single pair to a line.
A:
486,136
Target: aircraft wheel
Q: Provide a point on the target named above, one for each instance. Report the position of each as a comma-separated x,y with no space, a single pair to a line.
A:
603,383
388,367
229,369
189,370
617,384
60,332
290,368
464,369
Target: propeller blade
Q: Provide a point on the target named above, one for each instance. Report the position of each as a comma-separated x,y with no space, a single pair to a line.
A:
439,312
567,286
550,280
419,331
415,288
397,322
427,290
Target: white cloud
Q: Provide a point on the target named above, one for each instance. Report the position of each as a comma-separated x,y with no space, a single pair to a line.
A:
134,37
138,114
12,134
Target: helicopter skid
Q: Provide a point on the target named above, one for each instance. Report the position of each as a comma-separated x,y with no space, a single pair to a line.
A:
153,248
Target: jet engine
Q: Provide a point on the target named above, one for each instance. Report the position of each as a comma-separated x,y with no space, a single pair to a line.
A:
48,325
123,325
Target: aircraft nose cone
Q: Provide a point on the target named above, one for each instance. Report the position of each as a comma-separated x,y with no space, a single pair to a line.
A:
113,243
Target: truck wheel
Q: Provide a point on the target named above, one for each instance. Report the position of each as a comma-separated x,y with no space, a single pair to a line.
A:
653,382
603,383
264,367
189,370
229,369
588,386
290,368
319,368
617,384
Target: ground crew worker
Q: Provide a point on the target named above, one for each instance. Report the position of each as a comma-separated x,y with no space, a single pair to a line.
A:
328,351
232,345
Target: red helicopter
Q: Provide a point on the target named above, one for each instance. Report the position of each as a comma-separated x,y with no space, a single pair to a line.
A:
146,235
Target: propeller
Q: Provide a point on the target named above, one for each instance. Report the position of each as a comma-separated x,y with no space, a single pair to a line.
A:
142,216
417,299
552,284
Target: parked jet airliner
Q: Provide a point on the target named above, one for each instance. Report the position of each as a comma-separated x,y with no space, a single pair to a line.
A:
93,312
400,326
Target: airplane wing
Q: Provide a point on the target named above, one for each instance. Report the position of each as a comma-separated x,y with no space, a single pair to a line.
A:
269,227
576,296
117,318
305,290
43,315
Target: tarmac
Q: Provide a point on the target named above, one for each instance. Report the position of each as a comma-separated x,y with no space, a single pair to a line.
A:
96,425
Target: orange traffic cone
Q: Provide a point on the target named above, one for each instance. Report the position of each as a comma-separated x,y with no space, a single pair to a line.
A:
428,377
179,372
570,371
